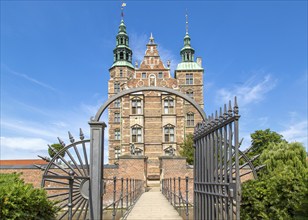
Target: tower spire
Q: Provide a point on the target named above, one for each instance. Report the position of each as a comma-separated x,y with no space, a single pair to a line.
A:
187,52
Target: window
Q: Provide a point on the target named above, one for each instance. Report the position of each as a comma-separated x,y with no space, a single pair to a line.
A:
160,75
144,75
117,152
117,117
117,87
190,119
189,79
136,106
169,133
136,134
121,73
190,94
117,103
117,135
121,54
168,105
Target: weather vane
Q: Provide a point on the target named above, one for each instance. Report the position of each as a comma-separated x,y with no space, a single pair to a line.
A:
186,22
122,9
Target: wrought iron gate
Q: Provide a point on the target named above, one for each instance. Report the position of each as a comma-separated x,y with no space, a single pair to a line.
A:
217,191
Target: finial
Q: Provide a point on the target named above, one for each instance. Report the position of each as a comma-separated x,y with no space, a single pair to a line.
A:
186,22
151,39
81,135
71,137
122,9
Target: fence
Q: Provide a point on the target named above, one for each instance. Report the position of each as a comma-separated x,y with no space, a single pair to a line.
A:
177,191
120,195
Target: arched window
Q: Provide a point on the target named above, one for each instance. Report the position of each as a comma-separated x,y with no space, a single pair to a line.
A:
168,105
190,119
152,80
169,133
121,55
136,134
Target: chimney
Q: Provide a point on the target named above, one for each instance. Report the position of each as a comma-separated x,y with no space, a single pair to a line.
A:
199,61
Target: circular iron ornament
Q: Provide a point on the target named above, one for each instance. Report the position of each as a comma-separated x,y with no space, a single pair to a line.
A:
66,178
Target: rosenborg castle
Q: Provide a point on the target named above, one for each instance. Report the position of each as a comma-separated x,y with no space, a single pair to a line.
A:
152,123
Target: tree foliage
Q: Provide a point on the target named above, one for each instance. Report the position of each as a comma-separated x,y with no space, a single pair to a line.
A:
22,201
261,140
282,186
187,149
57,147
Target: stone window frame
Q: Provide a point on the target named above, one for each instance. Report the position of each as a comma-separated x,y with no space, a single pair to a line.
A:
152,80
143,75
117,134
169,133
190,119
117,152
160,75
136,109
168,108
189,79
117,87
117,103
121,73
117,117
136,134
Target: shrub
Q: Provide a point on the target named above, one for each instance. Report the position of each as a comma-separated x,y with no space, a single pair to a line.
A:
19,200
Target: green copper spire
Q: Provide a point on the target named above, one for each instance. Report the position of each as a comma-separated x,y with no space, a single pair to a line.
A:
187,52
122,53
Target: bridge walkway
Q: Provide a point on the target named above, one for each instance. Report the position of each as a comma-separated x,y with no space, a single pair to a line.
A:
152,205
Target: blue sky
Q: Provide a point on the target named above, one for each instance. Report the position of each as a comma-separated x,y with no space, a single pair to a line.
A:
55,57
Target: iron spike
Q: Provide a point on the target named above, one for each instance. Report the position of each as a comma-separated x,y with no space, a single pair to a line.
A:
235,108
44,158
225,112
230,109
220,112
81,134
71,137
39,167
61,142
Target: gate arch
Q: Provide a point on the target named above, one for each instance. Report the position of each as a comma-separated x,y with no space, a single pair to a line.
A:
144,89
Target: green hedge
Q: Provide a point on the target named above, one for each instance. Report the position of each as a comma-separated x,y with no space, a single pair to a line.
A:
19,200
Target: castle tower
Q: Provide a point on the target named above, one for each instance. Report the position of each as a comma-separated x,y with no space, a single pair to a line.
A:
154,123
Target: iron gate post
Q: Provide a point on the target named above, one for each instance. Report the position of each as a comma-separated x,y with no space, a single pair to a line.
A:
96,168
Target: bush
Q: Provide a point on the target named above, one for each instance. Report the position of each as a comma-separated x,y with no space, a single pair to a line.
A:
22,201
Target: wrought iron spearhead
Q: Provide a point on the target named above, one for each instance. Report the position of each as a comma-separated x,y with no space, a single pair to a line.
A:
225,116
61,142
81,134
72,140
235,108
230,109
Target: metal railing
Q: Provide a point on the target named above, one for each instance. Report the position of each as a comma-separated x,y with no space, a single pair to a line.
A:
120,195
176,190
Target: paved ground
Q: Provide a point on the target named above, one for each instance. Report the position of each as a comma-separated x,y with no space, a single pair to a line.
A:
153,205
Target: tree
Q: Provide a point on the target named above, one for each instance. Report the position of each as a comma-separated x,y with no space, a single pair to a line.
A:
261,140
187,149
281,188
57,148
22,201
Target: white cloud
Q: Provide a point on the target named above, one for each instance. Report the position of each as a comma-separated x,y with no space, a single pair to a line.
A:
251,91
30,79
296,131
23,143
